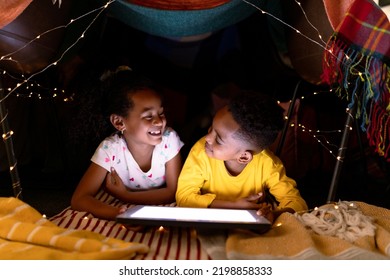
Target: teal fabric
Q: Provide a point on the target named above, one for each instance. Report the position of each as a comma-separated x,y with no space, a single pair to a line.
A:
167,23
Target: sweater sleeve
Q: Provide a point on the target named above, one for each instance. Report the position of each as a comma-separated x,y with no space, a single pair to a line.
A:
284,188
194,173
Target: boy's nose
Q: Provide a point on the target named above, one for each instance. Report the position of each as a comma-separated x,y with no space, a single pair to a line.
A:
208,138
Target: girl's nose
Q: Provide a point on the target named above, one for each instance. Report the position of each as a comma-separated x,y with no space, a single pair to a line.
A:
158,120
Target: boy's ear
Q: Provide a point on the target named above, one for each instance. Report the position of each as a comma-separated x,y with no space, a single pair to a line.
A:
117,122
245,157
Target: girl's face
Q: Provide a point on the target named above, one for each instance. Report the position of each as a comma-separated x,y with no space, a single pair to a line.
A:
220,141
145,123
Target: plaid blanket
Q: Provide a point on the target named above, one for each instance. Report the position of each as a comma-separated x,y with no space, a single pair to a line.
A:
357,64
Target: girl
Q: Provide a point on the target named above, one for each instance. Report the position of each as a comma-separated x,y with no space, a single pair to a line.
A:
140,162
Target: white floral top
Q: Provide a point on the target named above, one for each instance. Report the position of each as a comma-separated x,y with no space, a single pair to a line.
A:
113,152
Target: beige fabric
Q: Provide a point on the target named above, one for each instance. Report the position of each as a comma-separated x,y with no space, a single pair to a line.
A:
290,239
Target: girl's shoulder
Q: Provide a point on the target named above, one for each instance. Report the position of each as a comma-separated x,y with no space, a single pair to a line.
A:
111,141
171,140
170,133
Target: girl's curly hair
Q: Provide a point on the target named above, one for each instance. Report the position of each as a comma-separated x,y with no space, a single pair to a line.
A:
100,98
259,116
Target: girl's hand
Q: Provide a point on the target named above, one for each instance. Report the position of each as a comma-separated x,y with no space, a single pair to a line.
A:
114,184
123,209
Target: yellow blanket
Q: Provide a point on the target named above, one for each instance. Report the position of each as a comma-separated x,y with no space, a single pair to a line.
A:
26,234
291,239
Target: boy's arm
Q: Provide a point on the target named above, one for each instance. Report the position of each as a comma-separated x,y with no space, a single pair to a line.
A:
192,178
285,191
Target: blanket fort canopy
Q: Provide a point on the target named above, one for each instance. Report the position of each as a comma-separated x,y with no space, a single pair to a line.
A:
357,63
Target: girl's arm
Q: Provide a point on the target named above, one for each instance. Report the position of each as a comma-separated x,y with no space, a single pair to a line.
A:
83,198
163,195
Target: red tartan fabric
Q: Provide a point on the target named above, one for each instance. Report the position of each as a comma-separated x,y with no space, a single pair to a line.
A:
367,28
357,65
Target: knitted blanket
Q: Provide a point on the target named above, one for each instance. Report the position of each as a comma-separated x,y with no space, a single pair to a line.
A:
25,234
290,238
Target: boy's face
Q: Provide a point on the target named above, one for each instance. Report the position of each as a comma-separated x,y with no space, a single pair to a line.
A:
220,141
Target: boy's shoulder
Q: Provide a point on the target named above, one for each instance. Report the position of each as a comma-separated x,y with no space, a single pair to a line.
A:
268,156
199,147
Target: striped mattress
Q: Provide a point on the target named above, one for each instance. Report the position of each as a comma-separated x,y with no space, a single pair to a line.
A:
170,243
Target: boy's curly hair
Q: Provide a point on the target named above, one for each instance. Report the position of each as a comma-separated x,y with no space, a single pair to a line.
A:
259,116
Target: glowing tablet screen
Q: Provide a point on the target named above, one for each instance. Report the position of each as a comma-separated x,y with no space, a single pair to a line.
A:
196,217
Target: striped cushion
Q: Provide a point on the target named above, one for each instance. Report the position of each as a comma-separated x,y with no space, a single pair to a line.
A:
164,243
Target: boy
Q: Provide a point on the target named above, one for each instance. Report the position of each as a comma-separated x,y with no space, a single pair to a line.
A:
232,167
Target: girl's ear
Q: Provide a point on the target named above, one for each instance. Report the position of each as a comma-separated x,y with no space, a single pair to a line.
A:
117,122
245,157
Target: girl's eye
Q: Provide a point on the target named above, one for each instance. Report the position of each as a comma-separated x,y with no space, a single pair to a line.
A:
162,114
148,118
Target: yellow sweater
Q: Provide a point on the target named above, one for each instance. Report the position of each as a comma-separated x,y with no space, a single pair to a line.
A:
204,179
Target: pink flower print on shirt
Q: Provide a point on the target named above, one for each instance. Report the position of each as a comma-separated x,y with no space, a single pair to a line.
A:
166,146
150,176
107,159
132,179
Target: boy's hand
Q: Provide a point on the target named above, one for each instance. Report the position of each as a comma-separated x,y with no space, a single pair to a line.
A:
265,209
250,202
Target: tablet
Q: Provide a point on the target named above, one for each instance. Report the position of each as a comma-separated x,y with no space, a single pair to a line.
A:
194,217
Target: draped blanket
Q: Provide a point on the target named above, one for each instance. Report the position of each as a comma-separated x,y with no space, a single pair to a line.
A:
26,234
291,239
11,9
357,65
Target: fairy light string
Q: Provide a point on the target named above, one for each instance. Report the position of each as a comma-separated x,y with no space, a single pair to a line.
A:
8,57
30,83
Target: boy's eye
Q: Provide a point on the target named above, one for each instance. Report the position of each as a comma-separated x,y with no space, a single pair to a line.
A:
148,118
